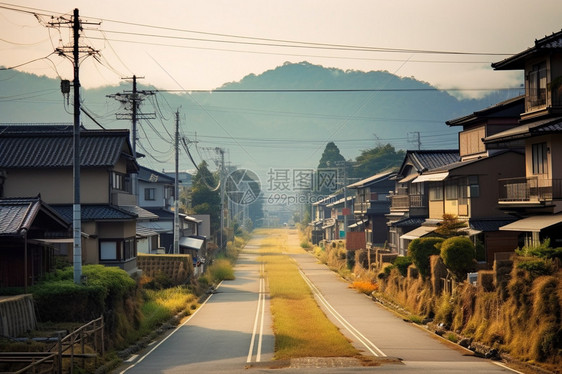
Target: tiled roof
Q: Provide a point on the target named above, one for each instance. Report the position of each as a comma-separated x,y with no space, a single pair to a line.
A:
511,108
52,147
546,45
149,175
535,128
432,159
410,221
487,225
373,179
95,213
17,214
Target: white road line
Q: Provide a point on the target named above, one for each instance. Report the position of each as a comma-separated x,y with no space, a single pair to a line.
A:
371,347
261,306
172,333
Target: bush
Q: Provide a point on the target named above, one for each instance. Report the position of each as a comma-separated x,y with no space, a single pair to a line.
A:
536,267
420,250
402,263
220,270
542,250
458,254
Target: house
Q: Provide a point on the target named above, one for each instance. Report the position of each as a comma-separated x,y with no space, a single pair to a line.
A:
156,195
38,159
468,190
29,229
371,206
452,182
321,219
534,196
409,206
341,215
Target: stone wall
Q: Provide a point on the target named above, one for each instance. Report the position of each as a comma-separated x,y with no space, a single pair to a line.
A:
178,268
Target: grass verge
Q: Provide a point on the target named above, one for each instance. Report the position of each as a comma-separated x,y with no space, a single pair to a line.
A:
301,328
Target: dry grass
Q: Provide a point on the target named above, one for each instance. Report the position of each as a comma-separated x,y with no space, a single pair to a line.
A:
301,328
365,287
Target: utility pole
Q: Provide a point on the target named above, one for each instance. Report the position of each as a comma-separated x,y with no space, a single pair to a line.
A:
416,139
133,99
176,249
76,208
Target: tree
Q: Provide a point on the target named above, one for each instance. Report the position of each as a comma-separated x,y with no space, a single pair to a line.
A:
330,157
459,256
333,160
204,198
380,158
420,250
451,226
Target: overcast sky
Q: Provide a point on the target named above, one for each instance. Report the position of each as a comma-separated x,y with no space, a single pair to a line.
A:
183,44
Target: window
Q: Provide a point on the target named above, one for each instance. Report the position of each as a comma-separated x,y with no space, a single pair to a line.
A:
121,182
539,158
473,186
150,193
435,192
537,85
451,190
117,250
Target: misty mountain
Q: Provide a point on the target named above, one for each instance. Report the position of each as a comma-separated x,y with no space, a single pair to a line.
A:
263,130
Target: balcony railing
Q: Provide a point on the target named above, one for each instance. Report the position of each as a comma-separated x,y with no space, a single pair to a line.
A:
407,201
531,189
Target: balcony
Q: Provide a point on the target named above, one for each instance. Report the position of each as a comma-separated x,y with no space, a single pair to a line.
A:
405,202
529,190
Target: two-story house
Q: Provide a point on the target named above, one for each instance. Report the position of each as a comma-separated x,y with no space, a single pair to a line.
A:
156,195
372,204
342,215
409,201
322,221
466,187
535,195
38,160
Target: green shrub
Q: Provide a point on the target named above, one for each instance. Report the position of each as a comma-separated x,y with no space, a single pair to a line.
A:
402,263
420,250
542,250
220,270
536,267
458,254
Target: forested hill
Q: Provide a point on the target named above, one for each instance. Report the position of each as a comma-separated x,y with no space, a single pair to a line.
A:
293,111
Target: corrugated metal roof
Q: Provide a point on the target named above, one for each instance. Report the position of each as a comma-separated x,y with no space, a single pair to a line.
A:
52,147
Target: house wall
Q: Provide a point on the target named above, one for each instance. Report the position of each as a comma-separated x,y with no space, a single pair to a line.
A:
499,241
470,141
554,156
159,195
56,186
507,165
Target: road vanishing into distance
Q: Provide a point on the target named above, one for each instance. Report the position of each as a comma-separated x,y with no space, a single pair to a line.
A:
232,331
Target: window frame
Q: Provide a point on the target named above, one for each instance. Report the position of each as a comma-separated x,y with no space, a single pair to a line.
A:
150,194
539,158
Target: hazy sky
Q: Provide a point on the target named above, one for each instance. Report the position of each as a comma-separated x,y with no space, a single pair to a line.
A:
184,44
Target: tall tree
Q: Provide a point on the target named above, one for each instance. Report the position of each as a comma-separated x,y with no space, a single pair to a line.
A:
375,160
331,156
204,198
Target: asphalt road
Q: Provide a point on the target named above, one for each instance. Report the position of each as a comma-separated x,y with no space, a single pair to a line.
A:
232,332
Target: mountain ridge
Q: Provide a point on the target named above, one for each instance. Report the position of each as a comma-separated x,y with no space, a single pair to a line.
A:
264,130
